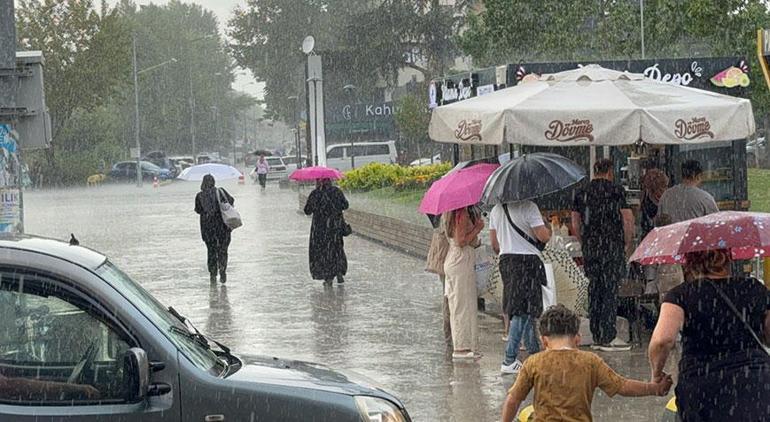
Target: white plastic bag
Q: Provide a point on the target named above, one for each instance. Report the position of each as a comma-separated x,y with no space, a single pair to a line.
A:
485,263
549,290
230,215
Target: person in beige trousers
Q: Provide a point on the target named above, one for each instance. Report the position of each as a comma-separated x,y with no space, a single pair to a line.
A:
462,228
439,247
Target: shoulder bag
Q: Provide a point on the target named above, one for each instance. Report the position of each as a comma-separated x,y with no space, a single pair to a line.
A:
230,215
740,316
536,243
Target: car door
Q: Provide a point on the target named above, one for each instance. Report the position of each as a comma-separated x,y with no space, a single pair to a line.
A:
62,357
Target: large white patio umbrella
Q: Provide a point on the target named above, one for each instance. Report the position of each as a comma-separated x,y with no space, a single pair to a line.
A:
219,171
594,106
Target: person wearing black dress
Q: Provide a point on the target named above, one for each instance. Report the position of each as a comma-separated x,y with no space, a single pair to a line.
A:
214,231
327,248
724,374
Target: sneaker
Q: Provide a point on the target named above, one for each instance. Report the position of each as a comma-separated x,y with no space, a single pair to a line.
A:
340,279
223,277
512,369
505,339
466,356
616,345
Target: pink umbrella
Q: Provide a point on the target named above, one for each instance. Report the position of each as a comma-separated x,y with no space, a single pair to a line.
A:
315,173
457,189
745,234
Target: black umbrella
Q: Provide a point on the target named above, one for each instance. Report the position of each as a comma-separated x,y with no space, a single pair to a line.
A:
531,176
264,152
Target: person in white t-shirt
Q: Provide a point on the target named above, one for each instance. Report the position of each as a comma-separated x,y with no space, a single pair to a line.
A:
522,271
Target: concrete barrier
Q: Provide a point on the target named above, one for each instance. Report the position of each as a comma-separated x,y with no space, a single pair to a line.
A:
405,237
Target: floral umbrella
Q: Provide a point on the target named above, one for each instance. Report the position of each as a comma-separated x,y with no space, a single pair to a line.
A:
746,235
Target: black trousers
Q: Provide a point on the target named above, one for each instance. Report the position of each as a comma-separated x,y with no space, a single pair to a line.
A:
262,179
605,269
217,254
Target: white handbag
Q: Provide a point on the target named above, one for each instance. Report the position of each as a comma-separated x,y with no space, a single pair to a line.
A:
549,290
230,215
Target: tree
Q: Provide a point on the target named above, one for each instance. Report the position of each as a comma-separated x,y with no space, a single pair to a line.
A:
551,30
363,43
86,54
412,119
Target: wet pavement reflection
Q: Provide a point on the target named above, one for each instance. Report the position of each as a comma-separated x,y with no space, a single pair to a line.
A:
384,322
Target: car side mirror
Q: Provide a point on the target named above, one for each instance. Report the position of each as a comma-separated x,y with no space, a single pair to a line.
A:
137,368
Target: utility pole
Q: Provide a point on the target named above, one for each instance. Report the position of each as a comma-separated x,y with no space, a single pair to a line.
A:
136,115
192,116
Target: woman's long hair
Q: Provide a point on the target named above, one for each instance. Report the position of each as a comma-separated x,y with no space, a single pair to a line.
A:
654,183
208,182
708,264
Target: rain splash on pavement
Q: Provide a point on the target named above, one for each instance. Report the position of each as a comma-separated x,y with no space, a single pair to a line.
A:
384,322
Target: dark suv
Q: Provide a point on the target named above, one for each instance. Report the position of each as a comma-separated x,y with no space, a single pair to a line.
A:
80,341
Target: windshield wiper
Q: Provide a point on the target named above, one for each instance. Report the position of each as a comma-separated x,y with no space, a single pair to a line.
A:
193,333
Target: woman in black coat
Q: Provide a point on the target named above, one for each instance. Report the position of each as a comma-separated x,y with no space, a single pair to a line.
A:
327,248
214,231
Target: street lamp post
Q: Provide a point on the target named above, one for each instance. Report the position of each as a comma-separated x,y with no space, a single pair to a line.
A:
350,89
315,81
136,74
136,118
297,147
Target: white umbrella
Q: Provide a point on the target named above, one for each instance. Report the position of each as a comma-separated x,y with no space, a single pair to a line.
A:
594,106
219,171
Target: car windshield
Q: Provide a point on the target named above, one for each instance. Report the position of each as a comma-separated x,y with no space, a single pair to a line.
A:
274,161
200,355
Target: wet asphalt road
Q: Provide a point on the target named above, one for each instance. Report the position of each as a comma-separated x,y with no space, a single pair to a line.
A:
385,322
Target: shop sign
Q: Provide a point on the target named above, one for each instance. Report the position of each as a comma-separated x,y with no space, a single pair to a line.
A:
697,127
485,89
571,131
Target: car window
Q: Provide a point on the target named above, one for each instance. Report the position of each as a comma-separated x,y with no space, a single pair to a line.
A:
54,349
358,150
335,152
201,357
274,161
289,160
377,150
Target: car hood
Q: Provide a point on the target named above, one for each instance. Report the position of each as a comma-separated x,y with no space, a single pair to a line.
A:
291,373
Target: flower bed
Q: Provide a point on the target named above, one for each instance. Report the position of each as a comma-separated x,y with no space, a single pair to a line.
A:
377,176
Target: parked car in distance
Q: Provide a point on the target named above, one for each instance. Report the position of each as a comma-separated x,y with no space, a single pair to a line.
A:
426,161
74,323
207,157
159,159
277,168
291,163
338,156
182,162
126,171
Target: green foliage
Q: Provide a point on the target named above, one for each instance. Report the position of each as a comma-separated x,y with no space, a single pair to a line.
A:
759,195
511,31
86,54
363,43
89,85
377,176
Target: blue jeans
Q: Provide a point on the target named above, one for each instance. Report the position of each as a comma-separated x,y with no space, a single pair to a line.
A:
521,327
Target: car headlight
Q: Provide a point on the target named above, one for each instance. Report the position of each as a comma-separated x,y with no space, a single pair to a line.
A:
374,409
